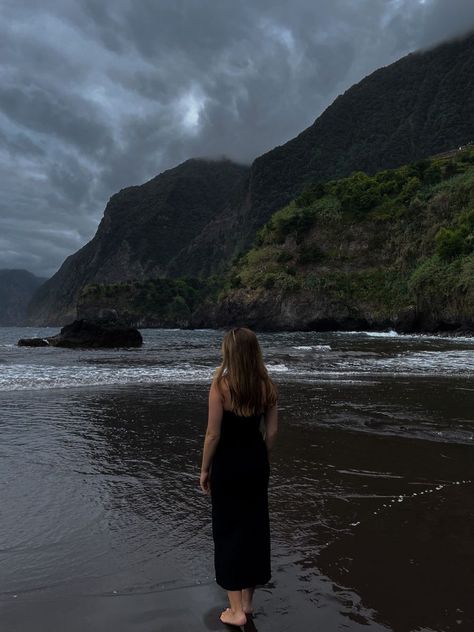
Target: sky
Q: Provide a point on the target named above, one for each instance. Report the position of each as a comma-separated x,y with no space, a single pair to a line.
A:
98,95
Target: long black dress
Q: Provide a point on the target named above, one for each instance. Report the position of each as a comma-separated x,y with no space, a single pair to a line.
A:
239,493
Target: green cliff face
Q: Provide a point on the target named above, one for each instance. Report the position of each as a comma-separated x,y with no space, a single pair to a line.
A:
154,302
412,109
393,249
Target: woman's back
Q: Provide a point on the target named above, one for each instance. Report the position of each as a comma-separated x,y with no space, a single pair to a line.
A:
239,431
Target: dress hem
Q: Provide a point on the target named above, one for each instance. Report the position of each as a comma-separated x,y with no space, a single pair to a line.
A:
249,585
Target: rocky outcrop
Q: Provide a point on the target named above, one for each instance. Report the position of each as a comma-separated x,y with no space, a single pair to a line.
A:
89,334
266,310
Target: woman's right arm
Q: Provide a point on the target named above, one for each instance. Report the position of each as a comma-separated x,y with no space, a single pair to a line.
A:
271,426
212,435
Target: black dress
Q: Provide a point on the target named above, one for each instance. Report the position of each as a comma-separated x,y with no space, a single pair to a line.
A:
239,493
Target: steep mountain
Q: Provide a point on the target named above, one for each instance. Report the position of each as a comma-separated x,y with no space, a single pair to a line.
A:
142,229
395,249
16,289
416,107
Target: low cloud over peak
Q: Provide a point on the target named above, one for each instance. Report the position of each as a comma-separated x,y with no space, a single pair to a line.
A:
97,96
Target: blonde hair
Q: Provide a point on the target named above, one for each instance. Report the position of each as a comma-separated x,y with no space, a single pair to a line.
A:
242,366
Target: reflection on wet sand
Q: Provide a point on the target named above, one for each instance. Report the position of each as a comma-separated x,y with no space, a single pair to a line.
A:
112,522
414,563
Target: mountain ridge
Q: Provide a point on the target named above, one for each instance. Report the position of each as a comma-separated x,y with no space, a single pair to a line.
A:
130,242
17,286
391,250
410,109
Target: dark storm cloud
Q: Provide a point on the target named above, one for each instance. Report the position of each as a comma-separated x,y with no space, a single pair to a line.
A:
96,96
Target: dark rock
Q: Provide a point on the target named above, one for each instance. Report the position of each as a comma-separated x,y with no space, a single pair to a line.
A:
106,332
33,342
407,321
269,310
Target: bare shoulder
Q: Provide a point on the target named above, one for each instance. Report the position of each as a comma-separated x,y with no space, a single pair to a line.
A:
220,387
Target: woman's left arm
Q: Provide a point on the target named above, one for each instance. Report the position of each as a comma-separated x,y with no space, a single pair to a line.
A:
213,434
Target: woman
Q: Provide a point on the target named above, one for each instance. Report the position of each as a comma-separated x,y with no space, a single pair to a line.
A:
235,469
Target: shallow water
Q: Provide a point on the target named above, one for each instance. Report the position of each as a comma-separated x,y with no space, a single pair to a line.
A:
104,526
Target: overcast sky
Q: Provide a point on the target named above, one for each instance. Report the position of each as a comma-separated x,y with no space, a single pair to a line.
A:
97,95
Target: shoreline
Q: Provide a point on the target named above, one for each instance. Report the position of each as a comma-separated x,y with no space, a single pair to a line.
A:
440,333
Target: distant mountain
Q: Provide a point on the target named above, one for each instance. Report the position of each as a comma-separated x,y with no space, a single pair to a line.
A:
416,107
142,229
16,289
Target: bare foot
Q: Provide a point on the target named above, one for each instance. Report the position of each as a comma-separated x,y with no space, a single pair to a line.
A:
247,609
233,618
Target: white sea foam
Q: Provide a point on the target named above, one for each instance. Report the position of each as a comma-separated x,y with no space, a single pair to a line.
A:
433,362
25,377
391,333
383,334
278,368
311,347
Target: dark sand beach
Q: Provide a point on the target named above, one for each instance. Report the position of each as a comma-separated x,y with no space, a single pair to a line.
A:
104,526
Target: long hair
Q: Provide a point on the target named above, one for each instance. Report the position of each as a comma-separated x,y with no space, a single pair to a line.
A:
243,369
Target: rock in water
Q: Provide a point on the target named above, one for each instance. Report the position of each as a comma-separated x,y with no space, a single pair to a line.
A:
86,334
33,342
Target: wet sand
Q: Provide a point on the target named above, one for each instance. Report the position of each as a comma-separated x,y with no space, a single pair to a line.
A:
104,526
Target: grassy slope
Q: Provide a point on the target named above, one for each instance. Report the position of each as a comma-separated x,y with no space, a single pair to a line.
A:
379,245
158,302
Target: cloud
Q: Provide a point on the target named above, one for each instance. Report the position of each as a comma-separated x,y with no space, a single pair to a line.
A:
97,96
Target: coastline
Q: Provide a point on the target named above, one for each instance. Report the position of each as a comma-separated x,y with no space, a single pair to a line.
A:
390,329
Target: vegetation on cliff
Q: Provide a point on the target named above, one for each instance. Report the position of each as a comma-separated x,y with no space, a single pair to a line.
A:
364,247
156,302
400,239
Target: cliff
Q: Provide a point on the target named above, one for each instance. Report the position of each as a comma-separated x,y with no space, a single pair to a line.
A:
395,249
392,250
414,108
142,229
